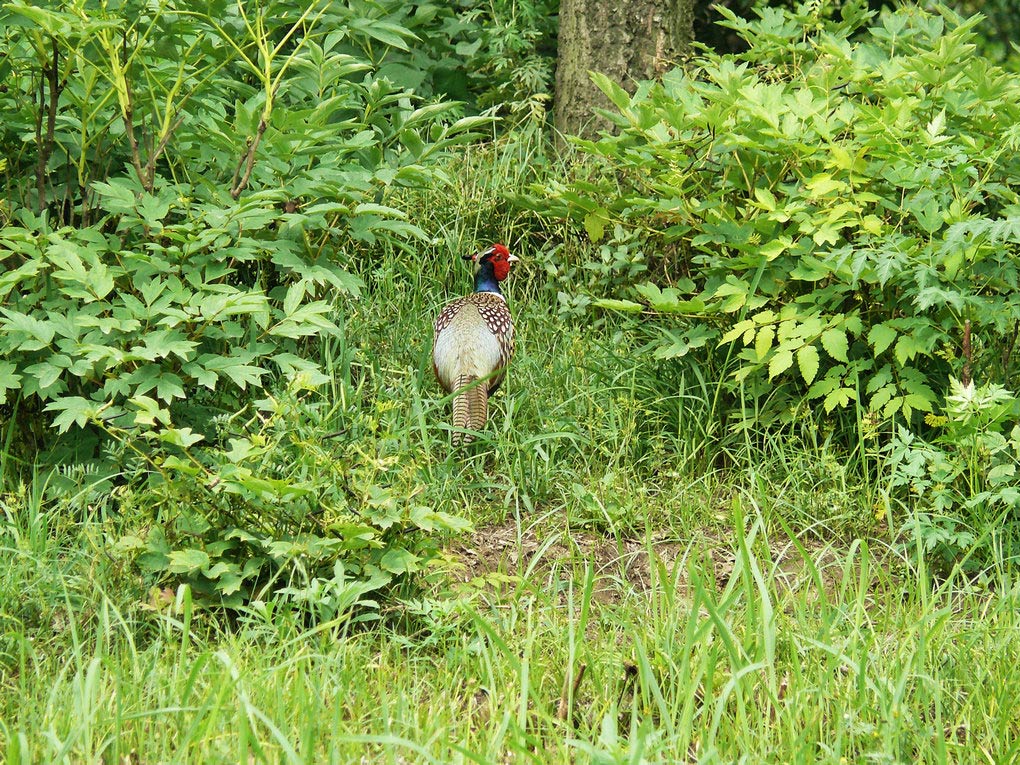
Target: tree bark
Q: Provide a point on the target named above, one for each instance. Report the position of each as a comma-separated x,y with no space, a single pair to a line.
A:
627,40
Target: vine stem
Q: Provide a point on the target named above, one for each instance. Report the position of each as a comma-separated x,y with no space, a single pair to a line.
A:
966,378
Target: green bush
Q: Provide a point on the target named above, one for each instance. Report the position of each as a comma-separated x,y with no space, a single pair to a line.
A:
829,209
490,56
281,510
964,481
188,193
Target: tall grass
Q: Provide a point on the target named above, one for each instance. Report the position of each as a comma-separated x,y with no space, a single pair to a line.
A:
836,654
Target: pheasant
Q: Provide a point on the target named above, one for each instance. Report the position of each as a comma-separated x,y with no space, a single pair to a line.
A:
473,341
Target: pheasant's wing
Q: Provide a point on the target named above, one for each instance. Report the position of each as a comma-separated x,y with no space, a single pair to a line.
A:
498,319
443,321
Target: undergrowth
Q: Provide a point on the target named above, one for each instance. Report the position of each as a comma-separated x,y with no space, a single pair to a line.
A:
633,563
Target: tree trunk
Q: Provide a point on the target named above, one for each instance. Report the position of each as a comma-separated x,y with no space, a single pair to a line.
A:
627,40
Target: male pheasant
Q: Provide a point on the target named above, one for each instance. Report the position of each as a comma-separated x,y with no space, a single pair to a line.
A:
473,342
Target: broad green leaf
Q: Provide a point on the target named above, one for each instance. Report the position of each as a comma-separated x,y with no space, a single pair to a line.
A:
826,234
32,334
734,294
781,361
45,373
295,294
20,275
595,224
183,437
74,410
765,198
737,330
149,412
169,387
9,379
385,32
872,224
116,196
187,561
835,343
881,337
906,349
229,583
839,398
823,386
916,401
616,94
399,561
153,210
763,341
824,184
776,247
807,362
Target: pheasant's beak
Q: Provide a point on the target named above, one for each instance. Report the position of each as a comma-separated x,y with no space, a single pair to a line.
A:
512,258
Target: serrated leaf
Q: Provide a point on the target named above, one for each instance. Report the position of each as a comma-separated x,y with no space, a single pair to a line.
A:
187,561
116,196
763,341
807,362
881,337
780,362
595,223
736,331
38,333
840,397
906,349
9,379
835,343
823,387
74,410
917,401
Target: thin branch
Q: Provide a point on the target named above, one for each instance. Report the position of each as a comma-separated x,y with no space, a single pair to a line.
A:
150,165
51,76
248,160
967,357
41,158
1007,352
129,128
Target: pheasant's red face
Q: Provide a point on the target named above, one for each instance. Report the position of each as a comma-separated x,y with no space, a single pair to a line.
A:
501,260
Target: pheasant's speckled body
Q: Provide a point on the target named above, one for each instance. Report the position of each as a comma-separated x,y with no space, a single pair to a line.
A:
474,341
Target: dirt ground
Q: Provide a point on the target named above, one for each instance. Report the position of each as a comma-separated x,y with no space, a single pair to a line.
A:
623,567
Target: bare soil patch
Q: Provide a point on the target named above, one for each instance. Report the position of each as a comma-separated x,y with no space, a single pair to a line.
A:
625,566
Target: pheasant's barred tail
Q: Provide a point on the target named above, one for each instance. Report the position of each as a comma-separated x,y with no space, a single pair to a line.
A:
470,408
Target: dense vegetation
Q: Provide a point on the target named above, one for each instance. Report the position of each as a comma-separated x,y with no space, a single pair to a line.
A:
752,487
